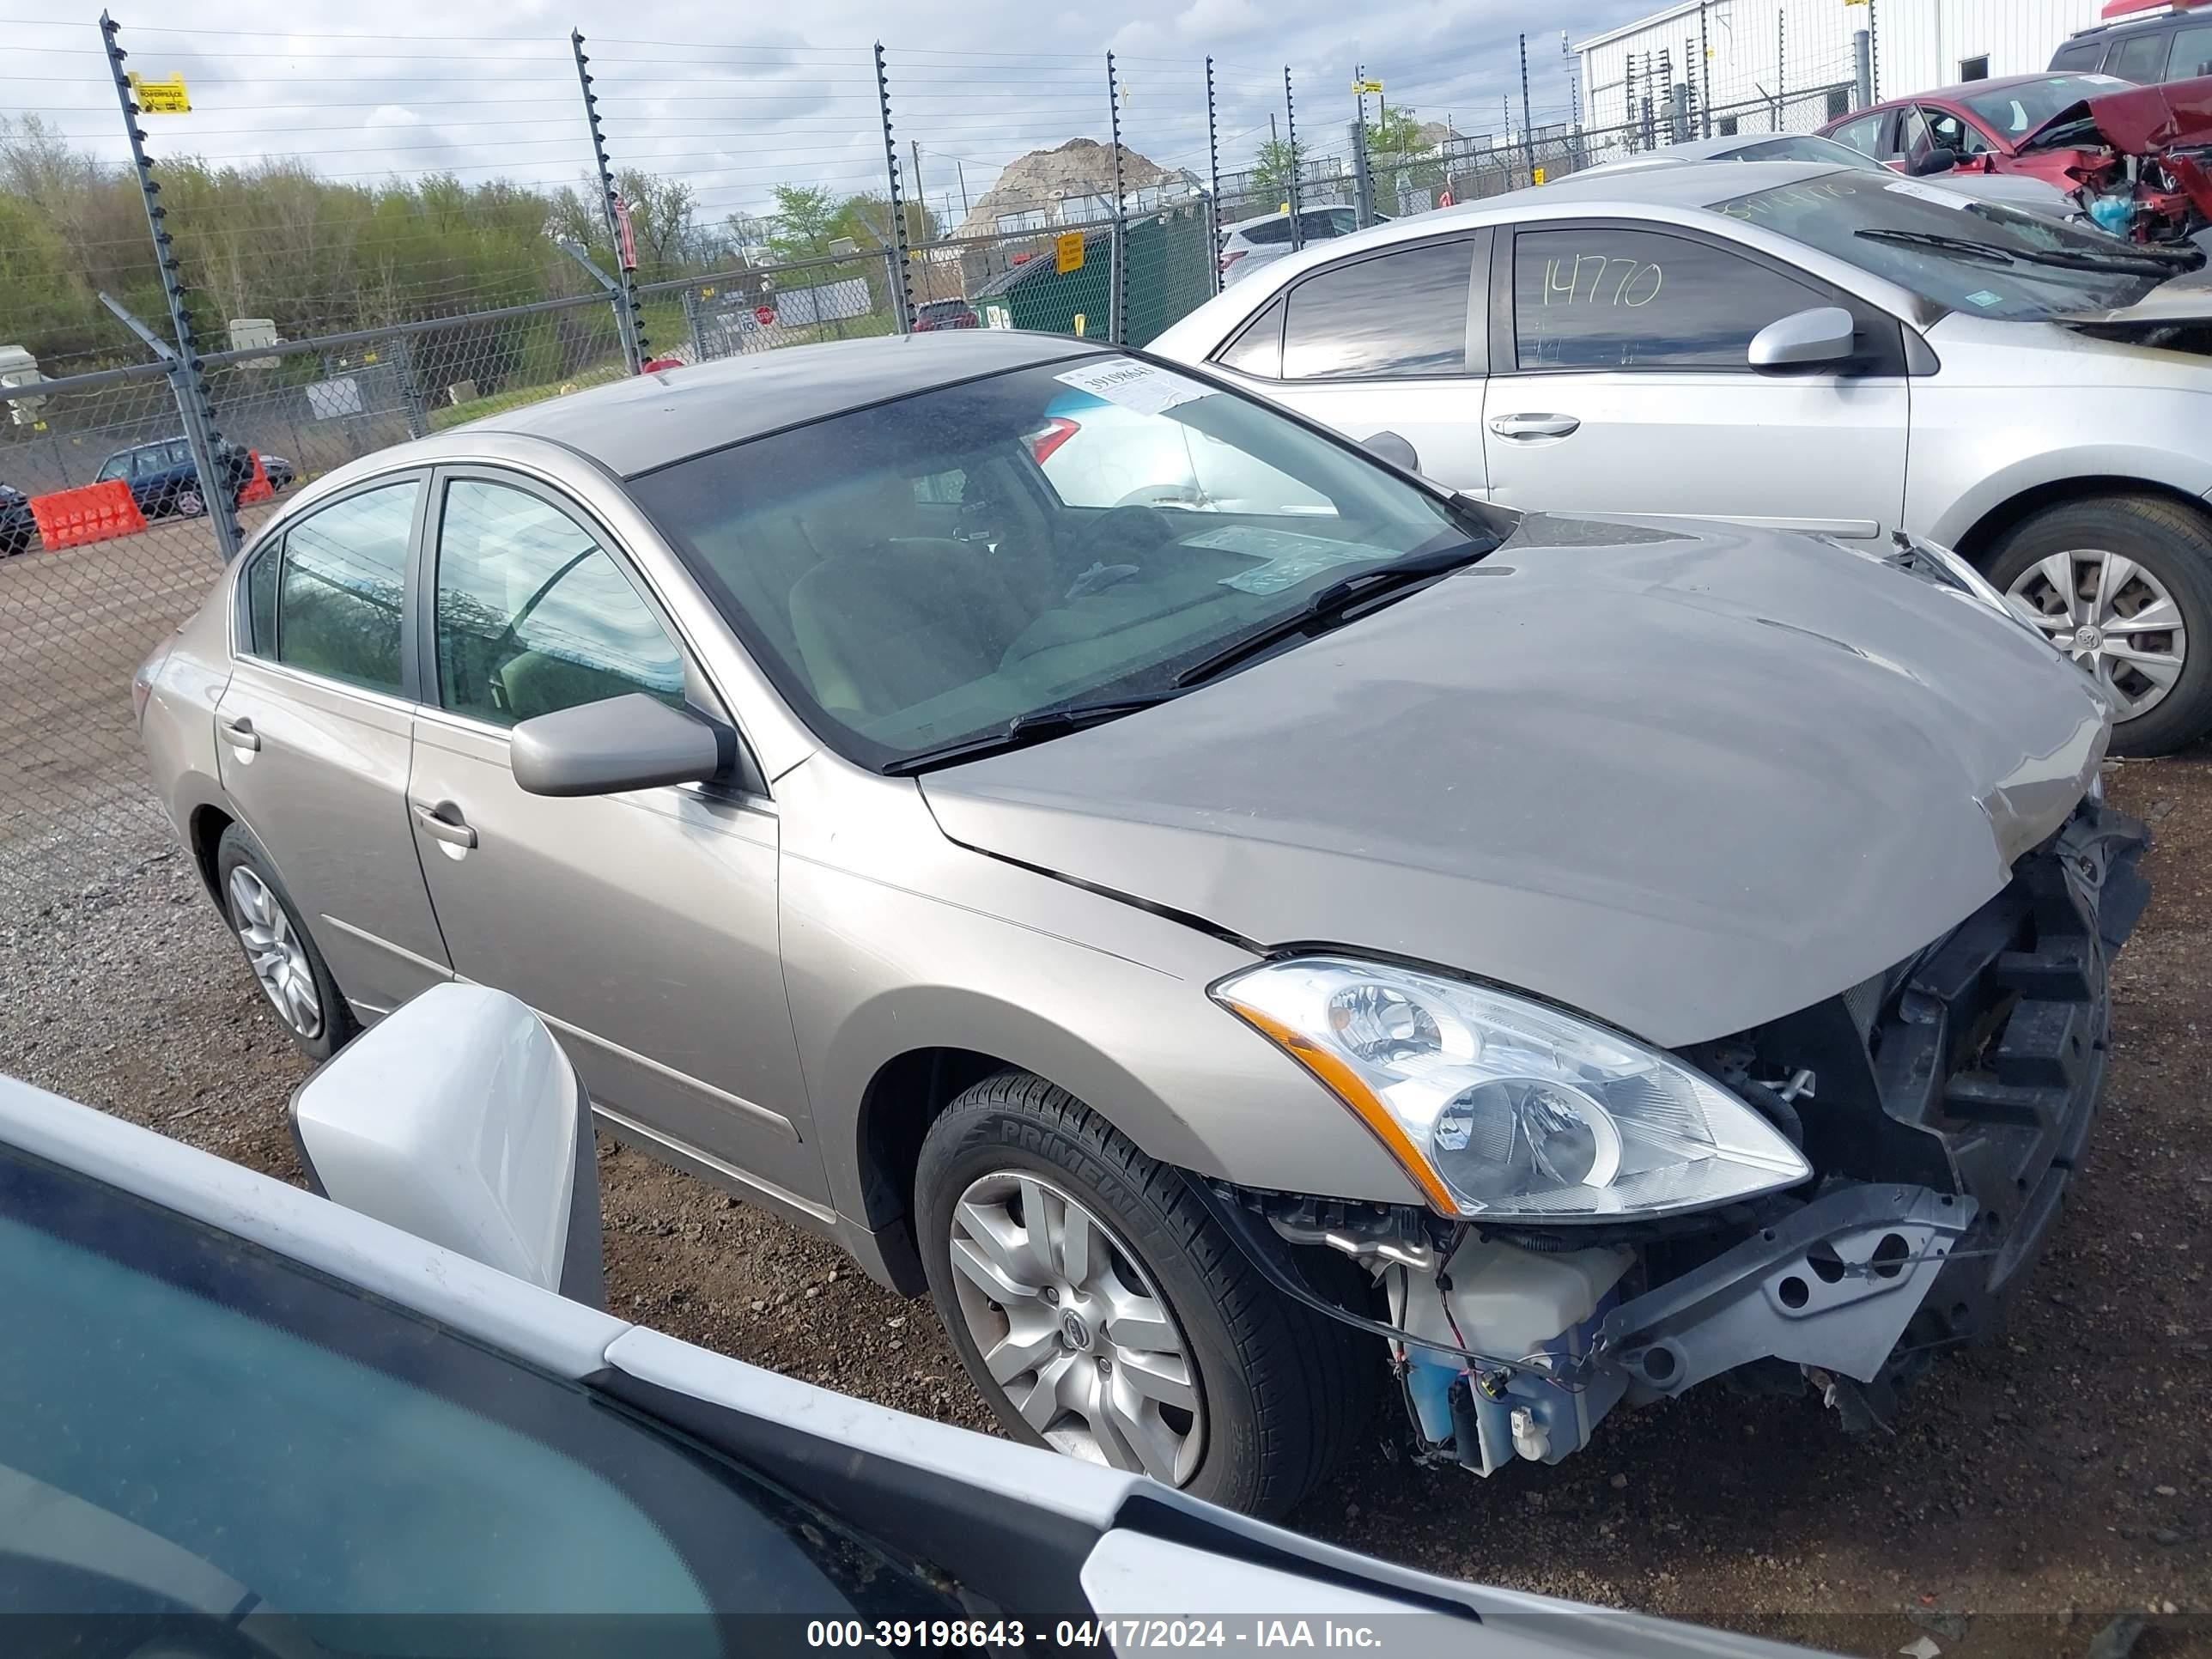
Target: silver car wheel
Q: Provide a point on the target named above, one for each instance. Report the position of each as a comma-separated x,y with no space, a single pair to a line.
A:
189,505
279,962
1073,1331
2113,616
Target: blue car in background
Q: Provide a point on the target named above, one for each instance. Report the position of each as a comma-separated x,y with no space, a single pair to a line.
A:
19,530
164,481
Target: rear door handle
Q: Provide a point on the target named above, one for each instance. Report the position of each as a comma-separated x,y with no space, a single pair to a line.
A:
238,731
443,823
1524,427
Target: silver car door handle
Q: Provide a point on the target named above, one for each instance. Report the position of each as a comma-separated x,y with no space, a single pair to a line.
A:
1534,426
443,823
238,731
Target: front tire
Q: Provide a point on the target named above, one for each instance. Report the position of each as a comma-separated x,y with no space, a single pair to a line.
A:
1102,1312
2122,584
187,504
286,962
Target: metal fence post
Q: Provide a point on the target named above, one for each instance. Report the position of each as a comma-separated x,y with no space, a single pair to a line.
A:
1117,300
1705,74
410,390
186,376
1291,122
1363,181
1861,69
1781,62
691,325
1873,56
629,316
902,284
1527,126
1213,184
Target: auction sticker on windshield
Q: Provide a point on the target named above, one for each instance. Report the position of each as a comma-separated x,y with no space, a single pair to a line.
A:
1949,198
1289,558
1140,387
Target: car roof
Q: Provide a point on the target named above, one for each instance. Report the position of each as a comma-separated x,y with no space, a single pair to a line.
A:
1967,89
1697,186
649,421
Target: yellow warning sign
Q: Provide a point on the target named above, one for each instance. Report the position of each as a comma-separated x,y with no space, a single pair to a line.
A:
1362,87
1069,246
1538,176
161,97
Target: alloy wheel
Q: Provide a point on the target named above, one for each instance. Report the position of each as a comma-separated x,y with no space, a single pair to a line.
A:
274,950
2111,616
1072,1329
189,505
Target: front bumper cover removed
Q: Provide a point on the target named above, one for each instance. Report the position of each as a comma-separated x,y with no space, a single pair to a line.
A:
1985,1056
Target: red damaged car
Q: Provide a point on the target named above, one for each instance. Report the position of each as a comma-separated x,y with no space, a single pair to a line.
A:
2137,159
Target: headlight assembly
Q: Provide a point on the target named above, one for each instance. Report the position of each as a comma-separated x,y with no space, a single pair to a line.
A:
1501,1109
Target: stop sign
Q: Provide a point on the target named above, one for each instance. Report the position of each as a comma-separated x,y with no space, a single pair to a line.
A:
766,315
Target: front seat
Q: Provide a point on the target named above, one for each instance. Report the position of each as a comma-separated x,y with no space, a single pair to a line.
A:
889,621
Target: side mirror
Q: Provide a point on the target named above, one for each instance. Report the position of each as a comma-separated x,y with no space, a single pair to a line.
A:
1393,449
1821,337
457,1119
1935,161
630,742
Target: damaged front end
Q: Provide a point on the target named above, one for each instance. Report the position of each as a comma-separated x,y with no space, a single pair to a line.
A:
1942,1106
2139,161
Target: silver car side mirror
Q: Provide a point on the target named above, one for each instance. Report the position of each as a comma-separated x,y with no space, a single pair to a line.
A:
630,742
1392,448
1820,338
457,1119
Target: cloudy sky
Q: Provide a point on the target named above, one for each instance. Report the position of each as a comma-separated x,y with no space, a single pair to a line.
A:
736,99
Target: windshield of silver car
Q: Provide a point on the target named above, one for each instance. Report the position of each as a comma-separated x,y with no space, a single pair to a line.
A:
945,566
1980,258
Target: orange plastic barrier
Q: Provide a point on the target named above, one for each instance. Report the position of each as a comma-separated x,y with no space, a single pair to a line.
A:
259,489
94,513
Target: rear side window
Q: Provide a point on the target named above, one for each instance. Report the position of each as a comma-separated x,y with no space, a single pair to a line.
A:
2192,52
1259,349
339,593
1267,232
261,601
2081,55
1399,315
1861,134
1611,298
2140,57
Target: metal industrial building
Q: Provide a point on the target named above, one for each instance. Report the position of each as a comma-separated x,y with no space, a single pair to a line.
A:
1791,63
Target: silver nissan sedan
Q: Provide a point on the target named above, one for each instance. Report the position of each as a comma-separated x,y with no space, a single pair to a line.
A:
1138,866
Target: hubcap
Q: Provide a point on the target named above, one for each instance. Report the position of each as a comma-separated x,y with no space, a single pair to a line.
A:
2113,616
1071,1330
274,951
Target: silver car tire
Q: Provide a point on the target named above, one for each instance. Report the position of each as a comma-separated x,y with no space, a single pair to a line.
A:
1210,1376
188,504
2124,585
287,965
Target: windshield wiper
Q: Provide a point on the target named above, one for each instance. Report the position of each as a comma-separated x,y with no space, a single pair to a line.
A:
2138,261
1024,730
1987,253
1328,605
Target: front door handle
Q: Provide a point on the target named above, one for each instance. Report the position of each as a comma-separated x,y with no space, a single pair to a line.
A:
238,731
1524,427
444,822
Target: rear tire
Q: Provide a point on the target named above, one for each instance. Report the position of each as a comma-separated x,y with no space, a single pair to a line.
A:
1280,1389
287,963
187,504
2169,547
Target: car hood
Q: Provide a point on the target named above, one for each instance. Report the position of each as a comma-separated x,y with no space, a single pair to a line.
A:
2139,120
2185,299
1685,780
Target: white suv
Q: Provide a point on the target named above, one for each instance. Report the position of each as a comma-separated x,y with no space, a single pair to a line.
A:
1251,243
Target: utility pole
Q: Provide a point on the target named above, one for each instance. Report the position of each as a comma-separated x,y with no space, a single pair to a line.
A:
913,149
965,209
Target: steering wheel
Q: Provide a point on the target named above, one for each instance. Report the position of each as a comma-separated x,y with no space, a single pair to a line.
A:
1120,535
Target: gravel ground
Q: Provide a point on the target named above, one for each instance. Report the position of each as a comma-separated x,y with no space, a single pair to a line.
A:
2037,1487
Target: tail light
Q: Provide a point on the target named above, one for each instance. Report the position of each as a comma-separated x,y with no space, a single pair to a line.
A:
1230,256
1050,436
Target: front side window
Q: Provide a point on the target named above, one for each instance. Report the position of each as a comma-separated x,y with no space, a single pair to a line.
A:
1396,315
150,463
197,1426
1613,298
1139,519
115,467
1947,130
1908,233
338,590
533,615
2192,52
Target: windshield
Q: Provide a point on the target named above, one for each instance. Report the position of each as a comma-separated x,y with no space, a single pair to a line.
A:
2015,112
1873,224
934,568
